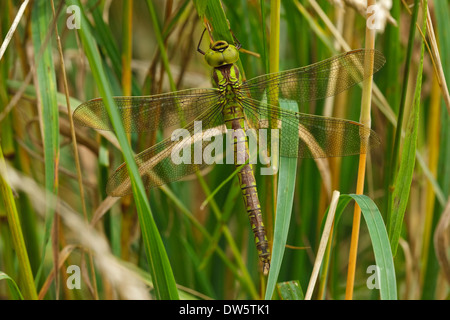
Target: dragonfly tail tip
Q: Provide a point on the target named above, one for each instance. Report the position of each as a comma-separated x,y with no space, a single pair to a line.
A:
266,267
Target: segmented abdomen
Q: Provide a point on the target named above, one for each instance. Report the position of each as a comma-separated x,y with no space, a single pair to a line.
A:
234,119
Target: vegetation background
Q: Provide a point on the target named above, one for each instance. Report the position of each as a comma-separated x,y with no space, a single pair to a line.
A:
164,243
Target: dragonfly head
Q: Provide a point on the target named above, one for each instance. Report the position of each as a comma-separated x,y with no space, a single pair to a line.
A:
221,53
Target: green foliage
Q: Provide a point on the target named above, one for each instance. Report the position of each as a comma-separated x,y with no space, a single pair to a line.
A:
177,247
290,290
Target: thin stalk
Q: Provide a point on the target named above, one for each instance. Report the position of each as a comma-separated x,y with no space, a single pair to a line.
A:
74,144
127,46
274,51
127,29
437,63
326,236
162,48
264,36
126,54
274,66
14,25
355,231
433,157
365,120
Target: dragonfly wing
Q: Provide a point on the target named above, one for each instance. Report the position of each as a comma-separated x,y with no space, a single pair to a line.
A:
317,81
174,157
310,136
147,113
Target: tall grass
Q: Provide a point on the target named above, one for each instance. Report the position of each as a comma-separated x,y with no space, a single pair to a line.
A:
171,242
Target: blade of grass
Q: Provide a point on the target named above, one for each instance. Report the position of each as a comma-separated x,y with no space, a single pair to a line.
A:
216,16
274,66
290,290
386,278
41,19
380,245
6,129
287,174
201,5
392,169
27,281
287,177
160,269
15,291
403,177
392,85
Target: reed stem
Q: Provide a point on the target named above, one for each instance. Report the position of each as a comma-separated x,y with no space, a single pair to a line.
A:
365,120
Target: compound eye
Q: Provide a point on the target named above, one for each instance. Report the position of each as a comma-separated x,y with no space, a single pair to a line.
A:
214,58
220,58
231,54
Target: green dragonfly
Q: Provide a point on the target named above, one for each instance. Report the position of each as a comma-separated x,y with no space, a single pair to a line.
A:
238,106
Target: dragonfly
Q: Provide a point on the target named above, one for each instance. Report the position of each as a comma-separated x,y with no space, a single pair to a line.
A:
237,105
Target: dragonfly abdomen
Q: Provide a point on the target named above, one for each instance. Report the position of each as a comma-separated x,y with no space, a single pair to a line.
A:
252,205
235,120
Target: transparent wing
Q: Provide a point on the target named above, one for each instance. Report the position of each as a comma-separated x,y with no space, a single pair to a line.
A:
310,136
147,113
317,81
169,160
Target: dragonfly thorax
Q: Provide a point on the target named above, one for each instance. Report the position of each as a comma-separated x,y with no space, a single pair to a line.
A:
228,80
